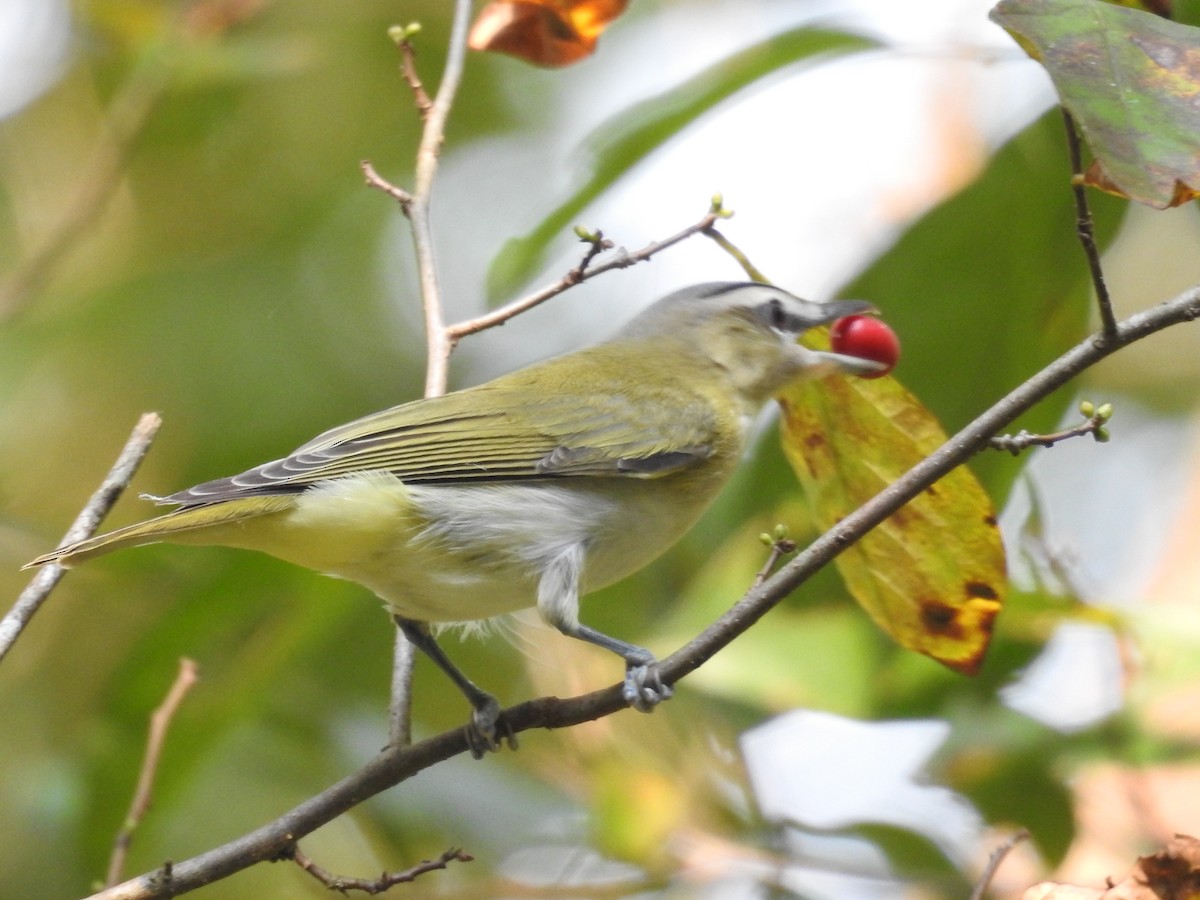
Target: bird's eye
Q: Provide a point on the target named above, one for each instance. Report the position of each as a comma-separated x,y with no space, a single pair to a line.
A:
775,314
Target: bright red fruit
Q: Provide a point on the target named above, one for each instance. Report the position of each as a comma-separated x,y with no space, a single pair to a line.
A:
867,338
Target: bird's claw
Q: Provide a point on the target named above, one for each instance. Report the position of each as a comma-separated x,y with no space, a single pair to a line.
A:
644,688
488,730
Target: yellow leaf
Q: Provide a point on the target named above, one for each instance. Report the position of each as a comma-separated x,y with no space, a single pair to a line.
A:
933,574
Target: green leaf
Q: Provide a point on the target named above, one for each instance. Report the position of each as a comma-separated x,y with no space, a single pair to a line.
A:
626,139
1131,80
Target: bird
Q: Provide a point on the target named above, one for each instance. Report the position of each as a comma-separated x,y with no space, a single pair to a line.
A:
529,490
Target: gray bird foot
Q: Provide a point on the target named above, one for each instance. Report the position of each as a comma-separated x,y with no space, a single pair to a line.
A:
644,688
487,730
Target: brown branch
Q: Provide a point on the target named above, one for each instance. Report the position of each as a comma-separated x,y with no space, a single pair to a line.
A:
408,67
995,861
85,524
622,259
396,764
160,721
377,181
387,880
416,207
1085,227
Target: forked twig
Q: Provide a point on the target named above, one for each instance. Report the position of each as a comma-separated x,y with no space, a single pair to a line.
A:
344,884
621,259
85,524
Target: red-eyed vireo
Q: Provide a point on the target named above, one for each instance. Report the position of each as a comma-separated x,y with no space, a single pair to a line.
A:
531,489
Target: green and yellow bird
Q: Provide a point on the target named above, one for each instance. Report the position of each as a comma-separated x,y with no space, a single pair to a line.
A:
532,489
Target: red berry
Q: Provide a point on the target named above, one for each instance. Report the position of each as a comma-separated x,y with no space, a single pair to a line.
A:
867,338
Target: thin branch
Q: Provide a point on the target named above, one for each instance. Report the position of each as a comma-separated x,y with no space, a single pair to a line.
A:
622,259
394,765
1095,425
752,271
995,861
1084,227
427,164
85,524
781,545
387,880
377,181
416,207
408,70
160,721
404,658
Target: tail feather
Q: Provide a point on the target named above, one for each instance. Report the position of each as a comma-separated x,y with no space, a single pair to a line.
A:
170,527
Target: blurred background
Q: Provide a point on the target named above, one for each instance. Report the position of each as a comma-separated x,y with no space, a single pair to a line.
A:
184,228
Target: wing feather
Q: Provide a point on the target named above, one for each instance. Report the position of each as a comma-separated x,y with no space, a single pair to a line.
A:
500,431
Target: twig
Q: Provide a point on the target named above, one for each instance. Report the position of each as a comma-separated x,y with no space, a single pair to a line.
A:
408,68
85,524
751,270
781,545
1084,227
416,207
1095,424
622,259
394,764
427,164
377,181
160,721
378,885
995,861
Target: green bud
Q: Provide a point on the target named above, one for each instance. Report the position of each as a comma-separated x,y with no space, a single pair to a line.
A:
780,532
585,234
766,539
401,33
1105,412
1101,435
1087,409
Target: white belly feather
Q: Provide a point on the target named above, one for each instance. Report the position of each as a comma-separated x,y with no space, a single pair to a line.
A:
456,553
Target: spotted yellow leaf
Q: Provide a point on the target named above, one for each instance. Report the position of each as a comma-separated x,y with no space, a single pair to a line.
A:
933,574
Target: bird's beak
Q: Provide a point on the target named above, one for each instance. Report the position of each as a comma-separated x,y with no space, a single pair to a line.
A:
832,310
848,365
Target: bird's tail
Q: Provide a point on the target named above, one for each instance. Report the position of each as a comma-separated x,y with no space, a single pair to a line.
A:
198,524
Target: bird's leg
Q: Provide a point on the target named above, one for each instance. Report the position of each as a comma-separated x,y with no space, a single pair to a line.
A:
643,688
487,727
558,603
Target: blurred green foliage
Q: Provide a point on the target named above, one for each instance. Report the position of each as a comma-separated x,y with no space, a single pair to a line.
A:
241,280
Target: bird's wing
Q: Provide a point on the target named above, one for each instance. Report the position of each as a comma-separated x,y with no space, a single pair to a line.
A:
500,431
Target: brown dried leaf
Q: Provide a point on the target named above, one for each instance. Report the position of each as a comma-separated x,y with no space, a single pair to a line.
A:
1171,874
543,32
